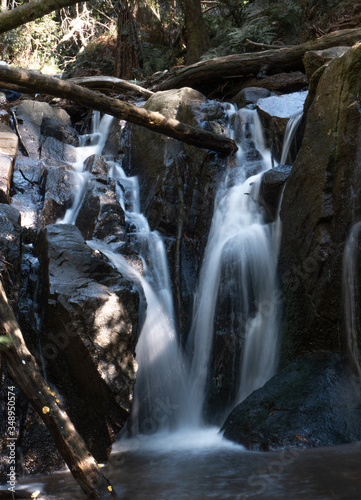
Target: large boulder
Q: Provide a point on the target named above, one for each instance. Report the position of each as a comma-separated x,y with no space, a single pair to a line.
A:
314,401
30,115
275,112
178,184
88,335
321,201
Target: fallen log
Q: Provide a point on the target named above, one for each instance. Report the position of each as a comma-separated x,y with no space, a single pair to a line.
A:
244,65
111,83
25,373
122,110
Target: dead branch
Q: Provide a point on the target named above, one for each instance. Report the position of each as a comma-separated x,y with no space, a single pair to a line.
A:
24,372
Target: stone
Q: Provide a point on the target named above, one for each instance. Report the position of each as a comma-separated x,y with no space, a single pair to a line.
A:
98,167
100,215
271,189
4,110
314,401
58,194
30,116
52,149
8,152
320,204
275,112
10,250
88,335
314,59
52,127
250,95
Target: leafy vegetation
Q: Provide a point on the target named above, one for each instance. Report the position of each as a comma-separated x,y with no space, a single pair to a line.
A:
83,39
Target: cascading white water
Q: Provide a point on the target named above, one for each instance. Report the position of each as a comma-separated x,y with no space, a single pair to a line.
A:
170,392
240,239
290,132
90,144
161,375
349,273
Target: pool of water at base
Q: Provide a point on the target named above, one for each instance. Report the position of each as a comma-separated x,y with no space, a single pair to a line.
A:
201,465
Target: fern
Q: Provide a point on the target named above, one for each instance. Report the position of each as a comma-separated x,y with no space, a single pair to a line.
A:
234,40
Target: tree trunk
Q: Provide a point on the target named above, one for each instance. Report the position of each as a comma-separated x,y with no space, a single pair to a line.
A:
198,41
25,373
30,11
124,111
244,65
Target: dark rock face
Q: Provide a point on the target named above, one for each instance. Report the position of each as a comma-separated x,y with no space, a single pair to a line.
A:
58,195
314,401
314,59
321,202
88,336
10,250
272,184
178,184
30,116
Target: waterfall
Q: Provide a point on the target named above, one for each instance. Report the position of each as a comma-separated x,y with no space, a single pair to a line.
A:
349,277
290,132
240,258
243,243
90,144
161,375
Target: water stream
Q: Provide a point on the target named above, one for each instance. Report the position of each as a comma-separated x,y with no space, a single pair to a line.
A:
168,451
349,277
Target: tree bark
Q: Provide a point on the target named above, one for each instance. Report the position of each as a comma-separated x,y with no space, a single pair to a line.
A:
124,111
198,41
30,11
111,83
25,373
244,65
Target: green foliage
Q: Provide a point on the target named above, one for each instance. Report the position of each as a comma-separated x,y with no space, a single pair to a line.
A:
97,58
4,342
258,30
33,45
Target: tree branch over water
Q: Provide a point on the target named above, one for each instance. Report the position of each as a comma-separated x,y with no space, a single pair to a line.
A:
125,111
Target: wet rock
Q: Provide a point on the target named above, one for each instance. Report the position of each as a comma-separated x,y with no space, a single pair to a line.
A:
30,116
271,188
58,195
98,167
10,250
250,95
100,215
275,111
314,401
313,60
52,149
26,193
88,335
177,185
321,202
51,127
